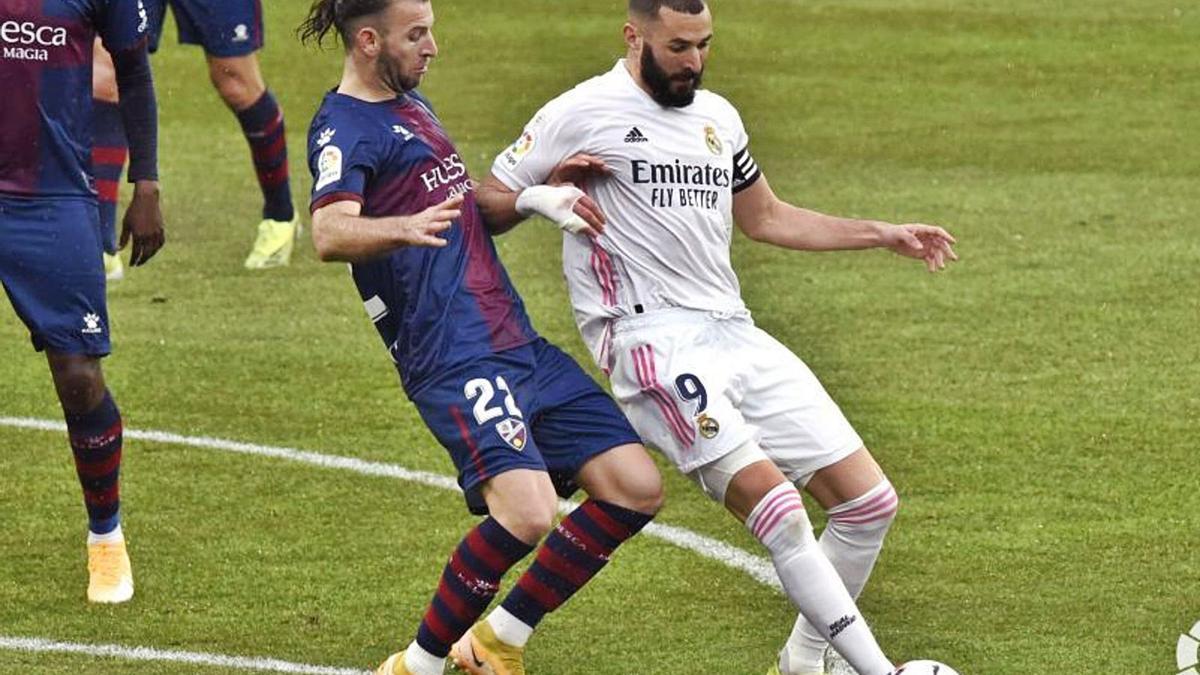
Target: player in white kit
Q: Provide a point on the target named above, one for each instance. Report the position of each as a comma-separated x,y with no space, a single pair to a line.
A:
667,172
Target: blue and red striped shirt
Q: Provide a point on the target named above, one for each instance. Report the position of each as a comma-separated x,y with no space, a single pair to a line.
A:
46,77
433,307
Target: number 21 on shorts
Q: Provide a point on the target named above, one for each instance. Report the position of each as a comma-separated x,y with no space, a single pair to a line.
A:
511,428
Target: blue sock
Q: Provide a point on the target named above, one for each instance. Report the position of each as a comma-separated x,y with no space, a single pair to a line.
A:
96,443
262,124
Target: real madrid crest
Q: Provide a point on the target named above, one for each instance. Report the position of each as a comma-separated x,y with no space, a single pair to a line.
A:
709,427
712,140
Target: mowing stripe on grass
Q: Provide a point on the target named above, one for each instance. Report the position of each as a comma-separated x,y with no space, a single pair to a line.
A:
35,645
757,567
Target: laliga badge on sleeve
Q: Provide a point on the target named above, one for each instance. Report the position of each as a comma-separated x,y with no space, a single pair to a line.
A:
518,150
329,165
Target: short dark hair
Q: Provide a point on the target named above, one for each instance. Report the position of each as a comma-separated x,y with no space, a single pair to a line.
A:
651,8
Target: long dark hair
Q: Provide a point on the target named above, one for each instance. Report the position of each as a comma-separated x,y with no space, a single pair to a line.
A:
342,15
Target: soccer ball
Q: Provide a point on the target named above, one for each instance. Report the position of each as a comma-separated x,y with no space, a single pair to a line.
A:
925,668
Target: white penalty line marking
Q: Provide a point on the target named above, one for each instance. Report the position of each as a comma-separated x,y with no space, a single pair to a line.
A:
759,568
35,645
731,556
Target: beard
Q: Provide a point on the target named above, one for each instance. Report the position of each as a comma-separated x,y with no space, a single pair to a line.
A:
669,91
391,74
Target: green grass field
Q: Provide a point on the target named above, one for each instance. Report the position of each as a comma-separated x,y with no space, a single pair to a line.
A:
1037,405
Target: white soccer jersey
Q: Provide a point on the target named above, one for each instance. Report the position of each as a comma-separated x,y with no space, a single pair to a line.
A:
675,171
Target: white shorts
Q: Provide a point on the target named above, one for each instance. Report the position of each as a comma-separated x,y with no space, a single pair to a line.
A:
697,385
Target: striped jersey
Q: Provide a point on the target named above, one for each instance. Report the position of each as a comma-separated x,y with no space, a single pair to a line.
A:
46,77
669,200
433,307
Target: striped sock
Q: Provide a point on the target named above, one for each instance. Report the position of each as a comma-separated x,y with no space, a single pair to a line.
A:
109,150
573,553
96,443
262,124
469,582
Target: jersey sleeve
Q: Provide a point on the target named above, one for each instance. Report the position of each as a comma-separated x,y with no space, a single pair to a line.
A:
549,138
342,159
124,24
745,170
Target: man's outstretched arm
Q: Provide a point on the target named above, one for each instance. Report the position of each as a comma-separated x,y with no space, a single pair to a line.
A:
341,233
766,218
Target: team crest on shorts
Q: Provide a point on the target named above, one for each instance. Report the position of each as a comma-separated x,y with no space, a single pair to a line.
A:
512,430
713,142
709,427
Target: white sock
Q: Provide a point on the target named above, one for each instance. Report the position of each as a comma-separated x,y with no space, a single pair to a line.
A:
781,524
107,538
510,629
852,541
420,662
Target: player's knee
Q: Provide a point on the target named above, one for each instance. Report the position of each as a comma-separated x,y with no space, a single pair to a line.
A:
780,521
871,514
236,89
529,520
797,529
643,493
79,384
104,88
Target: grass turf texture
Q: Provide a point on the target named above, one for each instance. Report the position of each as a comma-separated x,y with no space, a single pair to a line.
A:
1036,405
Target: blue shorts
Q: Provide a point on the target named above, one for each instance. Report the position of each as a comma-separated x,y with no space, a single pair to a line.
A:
52,270
225,28
531,407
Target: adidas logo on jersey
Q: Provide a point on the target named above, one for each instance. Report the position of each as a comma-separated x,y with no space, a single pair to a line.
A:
635,135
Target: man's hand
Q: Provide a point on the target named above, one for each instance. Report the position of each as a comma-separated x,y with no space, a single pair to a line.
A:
565,205
422,229
578,170
923,242
143,223
562,201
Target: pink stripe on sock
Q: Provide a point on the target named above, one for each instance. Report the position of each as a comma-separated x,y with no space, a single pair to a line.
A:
868,505
770,507
790,507
885,510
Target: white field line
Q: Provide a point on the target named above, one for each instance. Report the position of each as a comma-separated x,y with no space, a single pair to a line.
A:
759,568
35,645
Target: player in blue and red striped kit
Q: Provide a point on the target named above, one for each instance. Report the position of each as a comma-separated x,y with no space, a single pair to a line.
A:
50,249
521,420
231,34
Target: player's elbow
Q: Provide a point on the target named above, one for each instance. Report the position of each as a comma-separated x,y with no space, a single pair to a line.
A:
325,243
757,228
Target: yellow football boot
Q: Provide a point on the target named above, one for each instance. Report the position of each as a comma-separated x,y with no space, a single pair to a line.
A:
393,666
480,652
110,577
273,248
